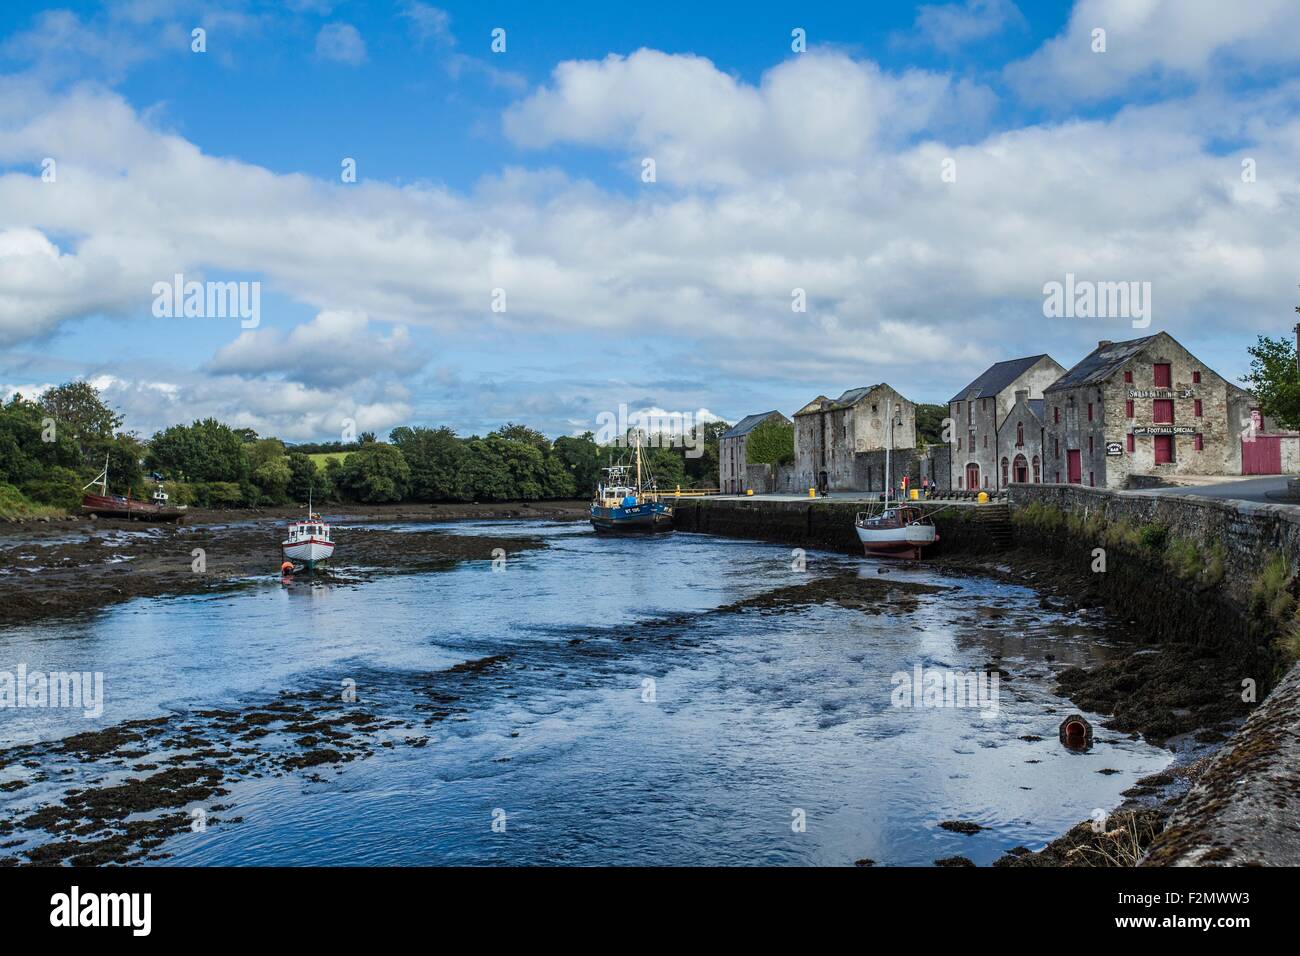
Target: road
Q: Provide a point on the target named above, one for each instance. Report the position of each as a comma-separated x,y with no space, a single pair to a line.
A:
1245,489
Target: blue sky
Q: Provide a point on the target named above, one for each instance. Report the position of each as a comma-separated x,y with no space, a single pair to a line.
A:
776,170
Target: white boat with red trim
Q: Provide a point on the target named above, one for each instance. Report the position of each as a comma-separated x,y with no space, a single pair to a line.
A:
309,542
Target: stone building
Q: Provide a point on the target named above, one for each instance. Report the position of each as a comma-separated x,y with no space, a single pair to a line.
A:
979,411
733,450
831,436
1146,407
1020,441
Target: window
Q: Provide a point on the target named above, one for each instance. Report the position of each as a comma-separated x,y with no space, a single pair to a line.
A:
1020,434
986,440
873,409
958,415
959,481
1090,480
1058,477
1090,411
1128,378
1162,411
984,404
1056,447
1160,372
1036,476
1197,406
1089,444
1196,378
1128,408
959,443
1200,444
1006,472
1130,441
1056,413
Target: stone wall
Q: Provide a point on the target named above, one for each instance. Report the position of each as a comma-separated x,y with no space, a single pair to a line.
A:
823,523
1251,533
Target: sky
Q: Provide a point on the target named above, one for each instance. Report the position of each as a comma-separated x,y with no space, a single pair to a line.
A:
709,209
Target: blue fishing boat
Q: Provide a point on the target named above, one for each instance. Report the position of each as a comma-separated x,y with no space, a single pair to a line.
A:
626,504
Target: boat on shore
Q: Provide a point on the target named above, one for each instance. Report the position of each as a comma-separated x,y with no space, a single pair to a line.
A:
106,505
627,503
309,542
899,529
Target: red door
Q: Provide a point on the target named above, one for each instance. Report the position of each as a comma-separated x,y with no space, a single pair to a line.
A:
1164,449
1263,456
1076,467
972,476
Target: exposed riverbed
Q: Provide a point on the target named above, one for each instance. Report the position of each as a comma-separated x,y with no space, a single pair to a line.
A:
684,700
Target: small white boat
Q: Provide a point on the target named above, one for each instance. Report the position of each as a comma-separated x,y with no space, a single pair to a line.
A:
309,542
898,529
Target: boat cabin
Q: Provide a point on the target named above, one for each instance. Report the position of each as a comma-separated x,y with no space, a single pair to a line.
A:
313,528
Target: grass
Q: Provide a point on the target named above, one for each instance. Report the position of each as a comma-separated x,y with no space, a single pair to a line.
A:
14,506
321,457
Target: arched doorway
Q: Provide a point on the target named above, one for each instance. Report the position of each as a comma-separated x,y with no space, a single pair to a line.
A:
972,475
1020,467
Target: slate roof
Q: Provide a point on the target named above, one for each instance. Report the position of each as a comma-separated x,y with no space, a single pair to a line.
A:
1099,364
996,378
1039,408
749,422
851,397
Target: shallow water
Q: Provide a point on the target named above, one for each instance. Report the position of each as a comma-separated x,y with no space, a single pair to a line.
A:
758,719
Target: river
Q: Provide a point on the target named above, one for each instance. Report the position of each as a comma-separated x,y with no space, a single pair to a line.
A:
630,712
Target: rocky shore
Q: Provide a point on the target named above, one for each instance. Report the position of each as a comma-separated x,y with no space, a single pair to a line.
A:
54,568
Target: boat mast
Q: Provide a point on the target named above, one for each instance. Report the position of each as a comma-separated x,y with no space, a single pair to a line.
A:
889,480
637,439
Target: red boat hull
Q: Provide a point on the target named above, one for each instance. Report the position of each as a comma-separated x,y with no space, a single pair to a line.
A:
112,506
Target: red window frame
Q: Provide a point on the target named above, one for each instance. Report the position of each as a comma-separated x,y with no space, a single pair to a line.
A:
1196,404
1162,407
1200,442
1128,408
1056,412
1131,441
1090,411
1161,374
1196,378
1128,378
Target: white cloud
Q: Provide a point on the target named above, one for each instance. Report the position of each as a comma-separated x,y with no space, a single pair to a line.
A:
701,125
342,43
951,26
333,349
1157,42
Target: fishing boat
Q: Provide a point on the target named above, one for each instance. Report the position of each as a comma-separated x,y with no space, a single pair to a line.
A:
627,503
106,505
308,542
899,529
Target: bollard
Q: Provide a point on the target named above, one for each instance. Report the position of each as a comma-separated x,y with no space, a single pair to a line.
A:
749,491
812,492
983,498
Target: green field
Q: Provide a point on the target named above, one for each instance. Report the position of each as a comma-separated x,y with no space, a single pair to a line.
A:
323,456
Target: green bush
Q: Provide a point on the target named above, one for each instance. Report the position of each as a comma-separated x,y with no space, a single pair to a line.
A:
1153,537
14,505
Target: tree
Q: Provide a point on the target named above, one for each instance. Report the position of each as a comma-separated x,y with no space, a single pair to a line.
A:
375,473
1275,380
77,407
306,481
269,468
434,456
580,457
770,443
929,424
204,451
522,433
483,475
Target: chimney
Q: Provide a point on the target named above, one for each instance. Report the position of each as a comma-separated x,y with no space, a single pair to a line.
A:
1104,342
1022,395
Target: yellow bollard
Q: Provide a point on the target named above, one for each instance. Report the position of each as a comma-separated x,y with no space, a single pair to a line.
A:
749,491
915,495
983,498
812,492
